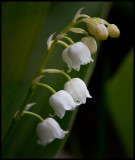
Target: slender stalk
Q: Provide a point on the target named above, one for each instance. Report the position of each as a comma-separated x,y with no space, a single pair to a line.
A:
46,57
46,86
33,114
56,71
79,30
84,15
69,39
27,100
66,75
101,20
63,43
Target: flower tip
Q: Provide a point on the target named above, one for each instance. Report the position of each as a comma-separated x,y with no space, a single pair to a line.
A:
69,70
49,41
66,132
89,96
113,31
60,36
77,14
92,60
61,116
28,106
38,142
79,11
52,115
36,80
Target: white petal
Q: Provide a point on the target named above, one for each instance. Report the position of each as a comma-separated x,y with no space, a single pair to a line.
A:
45,133
76,55
62,101
77,88
66,59
48,130
79,54
57,131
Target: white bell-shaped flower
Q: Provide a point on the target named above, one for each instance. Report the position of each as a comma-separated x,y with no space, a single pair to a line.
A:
77,88
76,55
48,130
62,101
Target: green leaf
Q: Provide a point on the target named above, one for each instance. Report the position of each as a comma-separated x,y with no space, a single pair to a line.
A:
26,27
21,25
119,94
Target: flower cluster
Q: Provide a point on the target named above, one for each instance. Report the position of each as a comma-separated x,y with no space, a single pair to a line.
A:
74,94
100,31
74,55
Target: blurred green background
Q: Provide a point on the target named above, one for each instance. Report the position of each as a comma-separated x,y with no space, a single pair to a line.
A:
101,128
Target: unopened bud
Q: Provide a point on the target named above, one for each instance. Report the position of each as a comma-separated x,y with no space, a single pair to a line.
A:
101,32
113,31
90,42
91,27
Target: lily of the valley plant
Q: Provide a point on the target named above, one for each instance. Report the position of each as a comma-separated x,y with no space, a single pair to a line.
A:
75,90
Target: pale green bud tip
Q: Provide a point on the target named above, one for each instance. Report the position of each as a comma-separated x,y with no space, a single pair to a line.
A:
77,14
113,31
36,80
101,32
49,41
90,42
28,106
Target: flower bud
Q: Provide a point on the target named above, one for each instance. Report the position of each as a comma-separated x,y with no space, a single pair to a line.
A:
90,42
101,32
91,27
113,31
48,130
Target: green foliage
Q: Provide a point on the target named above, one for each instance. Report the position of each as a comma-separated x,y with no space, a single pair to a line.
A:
119,94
